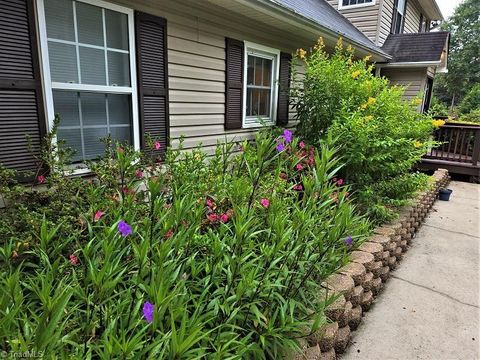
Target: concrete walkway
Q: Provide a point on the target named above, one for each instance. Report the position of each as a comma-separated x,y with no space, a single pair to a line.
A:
429,309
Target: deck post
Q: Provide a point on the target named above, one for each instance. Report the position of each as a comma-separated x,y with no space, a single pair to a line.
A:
476,147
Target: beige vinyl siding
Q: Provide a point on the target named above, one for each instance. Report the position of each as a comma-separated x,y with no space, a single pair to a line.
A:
412,17
413,80
365,18
386,16
196,66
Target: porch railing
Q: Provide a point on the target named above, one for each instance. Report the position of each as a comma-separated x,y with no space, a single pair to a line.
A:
459,149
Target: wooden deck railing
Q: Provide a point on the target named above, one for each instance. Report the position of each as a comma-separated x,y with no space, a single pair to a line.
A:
459,149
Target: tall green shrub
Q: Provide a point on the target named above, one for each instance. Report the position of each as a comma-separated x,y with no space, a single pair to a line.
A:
218,258
380,135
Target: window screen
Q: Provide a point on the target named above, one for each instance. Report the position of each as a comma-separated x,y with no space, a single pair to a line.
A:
355,2
260,86
89,57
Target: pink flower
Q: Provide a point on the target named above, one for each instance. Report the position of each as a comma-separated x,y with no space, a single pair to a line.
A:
283,176
301,145
98,215
157,145
340,182
224,218
299,167
298,187
212,217
265,203
168,234
210,203
40,179
139,174
73,260
120,150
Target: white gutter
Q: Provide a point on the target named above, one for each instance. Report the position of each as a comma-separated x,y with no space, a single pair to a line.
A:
276,10
410,64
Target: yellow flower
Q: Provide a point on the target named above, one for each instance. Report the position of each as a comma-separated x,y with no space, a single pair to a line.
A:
417,102
356,74
364,106
320,42
417,144
368,118
438,123
301,53
371,101
367,58
339,45
350,49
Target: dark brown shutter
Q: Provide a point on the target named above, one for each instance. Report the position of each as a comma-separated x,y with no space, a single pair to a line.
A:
21,102
152,64
283,88
234,84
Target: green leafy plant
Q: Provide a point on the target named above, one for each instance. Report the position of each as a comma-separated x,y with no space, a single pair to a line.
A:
380,136
195,257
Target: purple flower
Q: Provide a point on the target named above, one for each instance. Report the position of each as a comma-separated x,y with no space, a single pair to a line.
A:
349,241
124,228
148,309
280,147
288,136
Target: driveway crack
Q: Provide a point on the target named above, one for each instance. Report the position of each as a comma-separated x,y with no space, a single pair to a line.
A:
451,231
437,292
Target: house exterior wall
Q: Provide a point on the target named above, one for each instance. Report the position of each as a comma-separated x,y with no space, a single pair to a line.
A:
365,18
414,80
196,68
375,21
412,17
385,23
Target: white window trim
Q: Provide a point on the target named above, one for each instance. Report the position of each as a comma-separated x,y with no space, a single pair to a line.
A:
341,7
269,53
48,85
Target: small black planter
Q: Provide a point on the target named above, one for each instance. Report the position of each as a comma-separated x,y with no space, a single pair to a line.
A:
444,194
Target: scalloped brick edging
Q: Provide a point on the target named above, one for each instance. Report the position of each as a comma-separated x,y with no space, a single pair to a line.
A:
360,281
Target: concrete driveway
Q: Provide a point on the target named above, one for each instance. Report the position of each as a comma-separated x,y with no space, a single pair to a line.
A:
429,309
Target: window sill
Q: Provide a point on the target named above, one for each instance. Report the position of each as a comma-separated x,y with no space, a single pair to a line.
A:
258,125
348,7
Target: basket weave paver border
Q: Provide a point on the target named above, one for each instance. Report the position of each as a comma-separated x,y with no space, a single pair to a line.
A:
359,282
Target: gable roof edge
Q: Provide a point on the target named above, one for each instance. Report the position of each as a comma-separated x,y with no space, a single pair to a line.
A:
275,8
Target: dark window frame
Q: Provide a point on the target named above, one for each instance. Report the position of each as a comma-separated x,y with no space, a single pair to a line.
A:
427,99
397,28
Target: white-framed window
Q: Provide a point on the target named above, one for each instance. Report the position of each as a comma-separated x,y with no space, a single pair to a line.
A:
88,61
346,4
260,93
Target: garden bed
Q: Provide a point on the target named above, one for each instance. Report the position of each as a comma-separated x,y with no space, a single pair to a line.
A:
360,282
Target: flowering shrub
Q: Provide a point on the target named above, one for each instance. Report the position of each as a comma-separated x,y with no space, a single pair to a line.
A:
218,258
380,136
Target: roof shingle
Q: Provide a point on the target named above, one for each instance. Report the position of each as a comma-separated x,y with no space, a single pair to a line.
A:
416,47
324,14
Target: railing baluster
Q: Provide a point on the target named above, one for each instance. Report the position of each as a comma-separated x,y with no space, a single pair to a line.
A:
455,147
462,145
449,144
